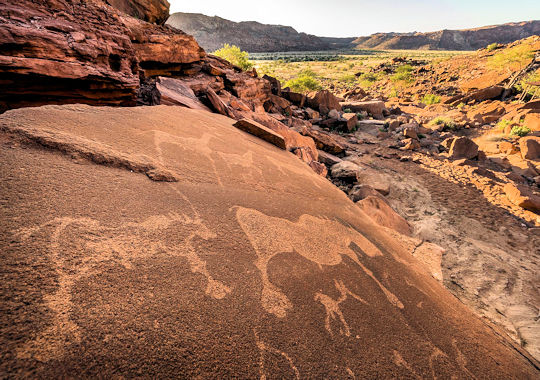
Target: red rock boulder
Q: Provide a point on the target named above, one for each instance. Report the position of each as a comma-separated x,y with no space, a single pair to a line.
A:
530,147
323,101
373,107
381,213
463,147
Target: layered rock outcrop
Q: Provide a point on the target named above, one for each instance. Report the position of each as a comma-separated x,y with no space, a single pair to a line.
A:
153,11
60,51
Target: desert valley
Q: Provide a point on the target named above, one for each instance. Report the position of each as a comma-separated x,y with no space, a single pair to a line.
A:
184,196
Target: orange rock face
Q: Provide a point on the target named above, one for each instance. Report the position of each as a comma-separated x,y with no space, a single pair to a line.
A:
81,54
59,51
154,11
162,50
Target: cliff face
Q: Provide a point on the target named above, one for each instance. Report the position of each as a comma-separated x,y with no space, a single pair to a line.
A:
154,11
467,39
213,32
88,53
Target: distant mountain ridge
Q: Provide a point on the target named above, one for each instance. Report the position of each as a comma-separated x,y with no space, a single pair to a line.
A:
465,39
213,32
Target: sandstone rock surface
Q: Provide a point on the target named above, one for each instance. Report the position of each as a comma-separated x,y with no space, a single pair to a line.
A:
530,147
249,249
59,51
154,11
80,54
261,132
463,147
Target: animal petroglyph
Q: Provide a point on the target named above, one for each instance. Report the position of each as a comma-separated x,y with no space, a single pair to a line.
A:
79,248
322,241
333,309
264,349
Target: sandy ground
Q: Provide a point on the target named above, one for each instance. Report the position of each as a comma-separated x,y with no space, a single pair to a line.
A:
490,260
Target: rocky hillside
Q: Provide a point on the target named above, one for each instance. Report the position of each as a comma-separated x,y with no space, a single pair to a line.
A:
466,39
213,32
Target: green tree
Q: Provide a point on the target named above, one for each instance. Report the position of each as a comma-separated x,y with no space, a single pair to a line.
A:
235,56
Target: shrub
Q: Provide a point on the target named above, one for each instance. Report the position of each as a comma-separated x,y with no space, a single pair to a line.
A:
501,125
347,110
305,81
348,78
493,46
431,99
460,106
393,93
514,58
520,131
446,121
368,77
235,56
403,73
522,85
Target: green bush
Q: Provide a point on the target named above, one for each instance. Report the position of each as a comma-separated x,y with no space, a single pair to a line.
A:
493,46
522,85
514,58
235,56
501,125
393,93
305,81
431,99
403,74
348,78
520,131
368,77
446,121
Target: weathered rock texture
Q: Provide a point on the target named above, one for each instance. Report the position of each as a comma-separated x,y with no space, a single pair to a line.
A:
58,51
249,266
154,11
466,39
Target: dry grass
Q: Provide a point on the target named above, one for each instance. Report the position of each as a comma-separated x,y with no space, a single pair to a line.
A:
341,72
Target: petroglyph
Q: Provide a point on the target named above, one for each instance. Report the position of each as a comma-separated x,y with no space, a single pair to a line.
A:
265,348
79,248
350,373
333,307
322,241
461,359
400,362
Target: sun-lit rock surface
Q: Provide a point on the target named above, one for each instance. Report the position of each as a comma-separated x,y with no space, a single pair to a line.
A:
247,265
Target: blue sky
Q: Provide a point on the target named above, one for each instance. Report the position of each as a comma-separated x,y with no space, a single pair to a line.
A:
349,18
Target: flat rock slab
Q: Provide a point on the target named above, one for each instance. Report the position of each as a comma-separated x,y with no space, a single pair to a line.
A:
261,132
249,266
